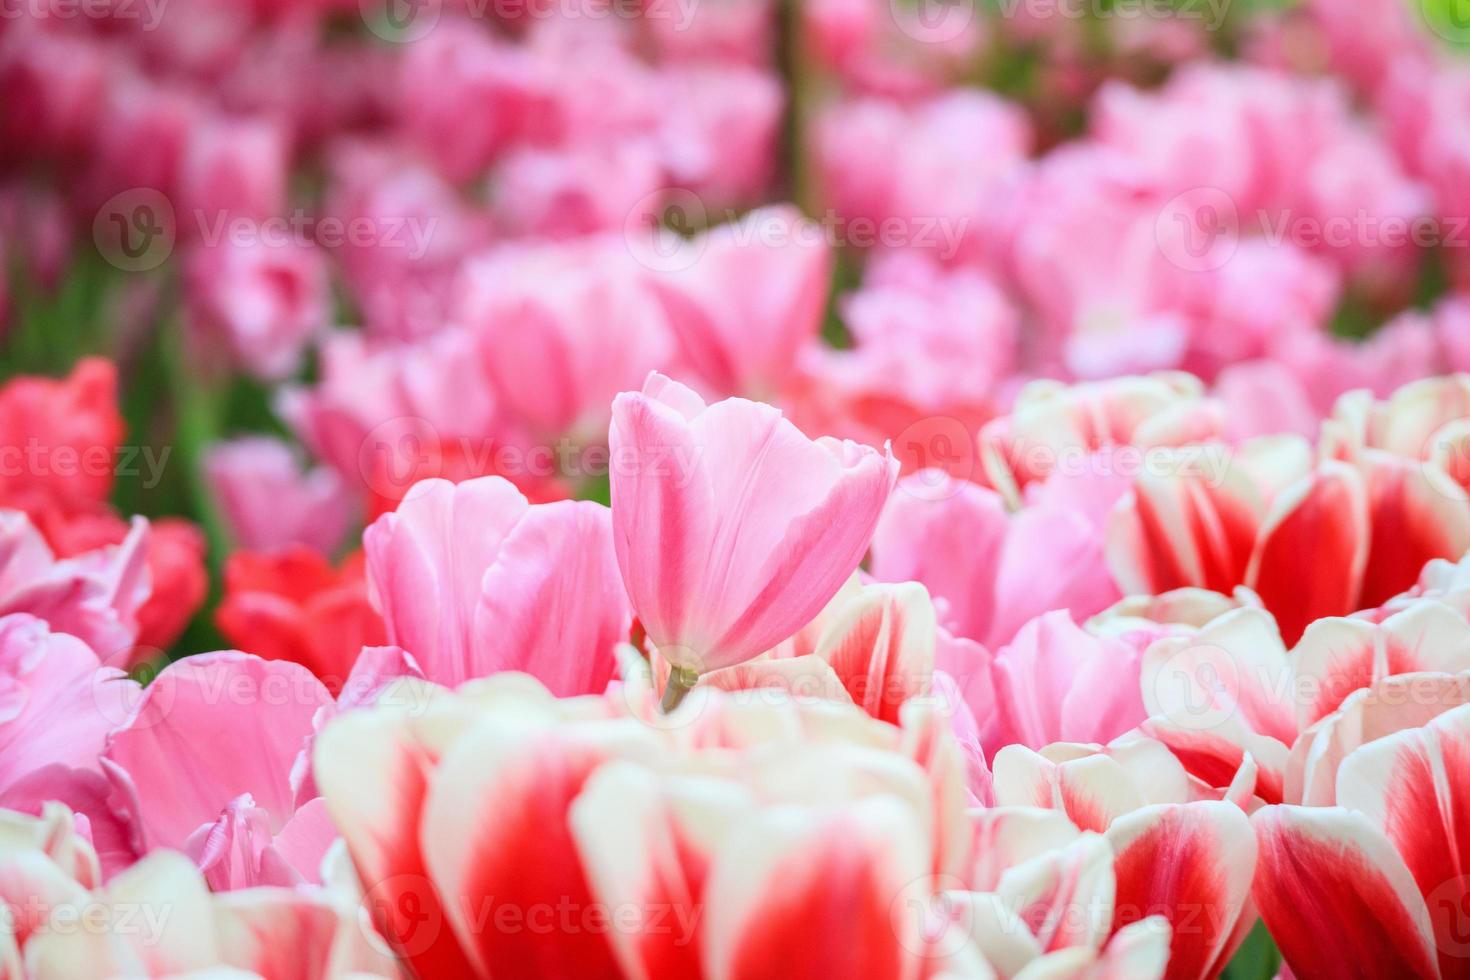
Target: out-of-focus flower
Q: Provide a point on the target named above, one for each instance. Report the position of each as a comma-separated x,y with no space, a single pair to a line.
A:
59,704
1364,48
387,415
753,294
740,32
562,329
399,232
293,605
231,169
579,190
54,83
60,440
268,501
732,529
892,48
262,302
472,580
934,354
933,178
176,581
95,596
466,96
719,139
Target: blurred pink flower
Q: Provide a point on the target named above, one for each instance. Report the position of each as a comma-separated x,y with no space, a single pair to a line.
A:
261,302
742,298
732,529
270,502
231,168
562,328
933,177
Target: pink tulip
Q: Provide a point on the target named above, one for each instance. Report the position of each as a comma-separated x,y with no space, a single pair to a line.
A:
562,328
933,177
721,132
1013,567
232,168
269,503
732,529
582,189
94,596
750,296
215,761
261,301
472,580
1056,683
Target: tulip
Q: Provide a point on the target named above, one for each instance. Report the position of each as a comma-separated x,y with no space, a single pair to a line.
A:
732,530
562,328
94,596
295,606
268,501
262,302
158,918
1381,870
742,298
473,579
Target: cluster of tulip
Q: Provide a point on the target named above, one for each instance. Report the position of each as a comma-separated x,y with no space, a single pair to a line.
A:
899,489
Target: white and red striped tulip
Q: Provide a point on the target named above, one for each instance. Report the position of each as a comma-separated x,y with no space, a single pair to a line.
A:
1382,872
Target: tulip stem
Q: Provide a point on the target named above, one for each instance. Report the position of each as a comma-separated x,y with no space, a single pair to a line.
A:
679,684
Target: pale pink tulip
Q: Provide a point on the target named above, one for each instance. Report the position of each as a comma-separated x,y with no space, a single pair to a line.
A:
562,328
472,579
231,168
95,596
1013,567
744,297
211,763
732,529
260,301
268,501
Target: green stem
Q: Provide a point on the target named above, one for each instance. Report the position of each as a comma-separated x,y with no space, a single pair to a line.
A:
680,683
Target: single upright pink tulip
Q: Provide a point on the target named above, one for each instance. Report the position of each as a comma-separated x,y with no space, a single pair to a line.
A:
733,529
